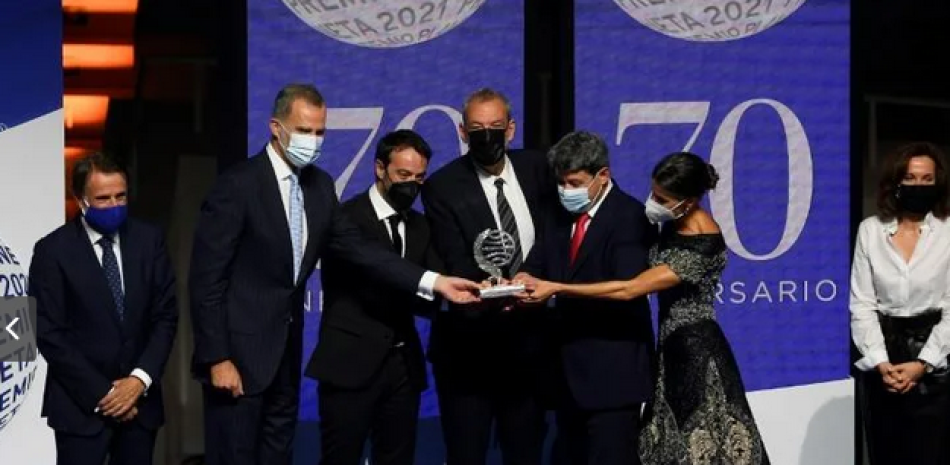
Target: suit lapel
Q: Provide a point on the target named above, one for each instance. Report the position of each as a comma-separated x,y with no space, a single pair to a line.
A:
416,237
311,205
562,246
597,231
529,188
131,259
367,215
274,213
91,271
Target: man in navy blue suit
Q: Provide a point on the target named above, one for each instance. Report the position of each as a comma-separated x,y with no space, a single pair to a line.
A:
106,320
261,231
603,362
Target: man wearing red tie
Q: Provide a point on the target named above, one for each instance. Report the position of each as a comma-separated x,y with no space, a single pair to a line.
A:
604,363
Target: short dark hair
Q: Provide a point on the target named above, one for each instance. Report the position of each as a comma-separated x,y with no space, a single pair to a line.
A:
685,175
398,140
894,170
579,150
485,94
291,93
97,162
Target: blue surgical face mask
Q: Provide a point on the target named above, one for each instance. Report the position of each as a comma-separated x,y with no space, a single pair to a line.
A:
105,220
576,199
302,149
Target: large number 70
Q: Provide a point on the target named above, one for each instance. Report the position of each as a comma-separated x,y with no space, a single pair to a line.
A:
370,118
722,156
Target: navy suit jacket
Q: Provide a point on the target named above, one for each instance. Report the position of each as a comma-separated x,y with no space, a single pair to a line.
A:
247,306
361,320
478,339
79,332
604,349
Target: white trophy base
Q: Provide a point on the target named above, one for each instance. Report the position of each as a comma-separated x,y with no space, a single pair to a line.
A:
495,292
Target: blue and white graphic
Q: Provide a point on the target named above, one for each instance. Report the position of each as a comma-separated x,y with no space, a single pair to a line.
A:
381,66
399,23
17,371
760,88
31,184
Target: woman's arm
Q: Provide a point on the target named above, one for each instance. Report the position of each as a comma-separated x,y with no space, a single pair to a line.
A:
652,280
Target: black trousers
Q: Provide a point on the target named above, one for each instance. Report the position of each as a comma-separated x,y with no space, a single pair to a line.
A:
905,429
386,412
255,429
124,444
607,437
469,406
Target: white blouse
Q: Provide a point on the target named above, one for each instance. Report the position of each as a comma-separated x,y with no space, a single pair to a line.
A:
881,281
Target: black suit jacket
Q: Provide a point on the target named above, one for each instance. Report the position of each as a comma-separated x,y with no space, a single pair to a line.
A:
479,337
79,332
247,306
362,320
605,348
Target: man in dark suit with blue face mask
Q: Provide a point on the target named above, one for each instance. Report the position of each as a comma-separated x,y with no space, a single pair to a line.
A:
106,320
261,231
605,348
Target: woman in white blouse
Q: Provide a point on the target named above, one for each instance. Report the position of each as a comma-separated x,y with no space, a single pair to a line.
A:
900,311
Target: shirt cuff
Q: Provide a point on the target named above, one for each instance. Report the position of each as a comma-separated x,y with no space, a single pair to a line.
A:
427,285
110,392
931,356
872,360
144,377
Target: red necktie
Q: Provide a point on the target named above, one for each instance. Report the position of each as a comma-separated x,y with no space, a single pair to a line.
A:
580,229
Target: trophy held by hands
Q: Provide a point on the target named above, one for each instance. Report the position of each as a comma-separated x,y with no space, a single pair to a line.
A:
494,250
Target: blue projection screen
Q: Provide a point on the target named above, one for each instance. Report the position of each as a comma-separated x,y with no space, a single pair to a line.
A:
760,88
381,66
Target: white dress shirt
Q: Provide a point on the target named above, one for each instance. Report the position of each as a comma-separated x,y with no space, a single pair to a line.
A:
881,281
383,212
282,171
516,200
94,237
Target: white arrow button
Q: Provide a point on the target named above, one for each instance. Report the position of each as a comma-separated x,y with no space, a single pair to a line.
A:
9,329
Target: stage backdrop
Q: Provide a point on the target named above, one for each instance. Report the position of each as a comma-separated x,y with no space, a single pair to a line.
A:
381,66
31,189
759,88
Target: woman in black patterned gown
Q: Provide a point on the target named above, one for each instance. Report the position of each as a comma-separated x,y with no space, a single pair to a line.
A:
699,414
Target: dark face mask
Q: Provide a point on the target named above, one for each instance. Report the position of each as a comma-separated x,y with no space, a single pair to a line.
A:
487,146
401,195
918,199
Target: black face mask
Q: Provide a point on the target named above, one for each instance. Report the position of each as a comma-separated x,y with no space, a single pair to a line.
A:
918,199
401,195
487,146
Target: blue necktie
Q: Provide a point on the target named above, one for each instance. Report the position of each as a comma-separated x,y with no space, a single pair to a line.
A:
111,267
296,223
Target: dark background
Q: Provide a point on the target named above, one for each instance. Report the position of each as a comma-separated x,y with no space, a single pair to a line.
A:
184,117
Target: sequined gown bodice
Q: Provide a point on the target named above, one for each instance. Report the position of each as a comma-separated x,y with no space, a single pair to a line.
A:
699,414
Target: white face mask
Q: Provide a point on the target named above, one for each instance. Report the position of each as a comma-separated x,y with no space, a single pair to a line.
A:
302,149
658,213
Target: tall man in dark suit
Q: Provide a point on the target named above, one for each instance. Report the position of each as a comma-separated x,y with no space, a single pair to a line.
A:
484,359
106,319
606,348
261,231
369,359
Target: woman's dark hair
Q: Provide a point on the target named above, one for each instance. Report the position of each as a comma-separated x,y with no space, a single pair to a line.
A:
685,175
894,170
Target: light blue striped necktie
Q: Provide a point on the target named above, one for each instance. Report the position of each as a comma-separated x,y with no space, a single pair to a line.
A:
296,223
